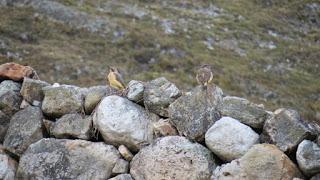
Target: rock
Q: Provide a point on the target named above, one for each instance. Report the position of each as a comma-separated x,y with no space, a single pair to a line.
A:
10,103
120,167
16,72
8,167
25,128
31,90
72,126
4,125
135,91
67,159
122,177
94,96
276,130
125,153
48,125
243,110
24,104
121,121
10,98
159,94
315,177
7,85
164,128
193,113
172,157
308,157
62,100
229,139
261,162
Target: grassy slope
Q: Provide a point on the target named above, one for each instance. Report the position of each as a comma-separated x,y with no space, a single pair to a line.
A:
67,55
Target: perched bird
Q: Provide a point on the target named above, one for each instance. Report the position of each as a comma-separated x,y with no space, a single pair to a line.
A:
115,78
204,75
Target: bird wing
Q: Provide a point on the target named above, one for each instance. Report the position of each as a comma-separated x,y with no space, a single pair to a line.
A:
120,79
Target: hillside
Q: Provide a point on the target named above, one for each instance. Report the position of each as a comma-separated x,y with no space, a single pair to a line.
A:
266,51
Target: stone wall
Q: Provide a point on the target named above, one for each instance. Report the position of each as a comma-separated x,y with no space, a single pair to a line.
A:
150,131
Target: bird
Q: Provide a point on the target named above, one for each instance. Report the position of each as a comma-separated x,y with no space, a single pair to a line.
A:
115,79
204,75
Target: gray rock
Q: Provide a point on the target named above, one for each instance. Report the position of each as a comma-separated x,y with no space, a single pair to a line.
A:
243,110
10,102
8,167
135,91
25,128
261,162
120,167
94,96
122,177
62,100
8,85
164,128
159,94
193,113
4,125
315,177
67,159
173,157
72,126
308,157
229,139
121,121
276,129
125,153
31,89
48,125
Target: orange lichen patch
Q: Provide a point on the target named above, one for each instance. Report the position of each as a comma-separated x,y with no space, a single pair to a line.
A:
16,72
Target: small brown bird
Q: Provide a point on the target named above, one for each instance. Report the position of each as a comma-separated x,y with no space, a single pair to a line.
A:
115,78
204,75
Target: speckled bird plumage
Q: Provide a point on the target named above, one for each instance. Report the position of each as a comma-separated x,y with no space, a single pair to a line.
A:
204,75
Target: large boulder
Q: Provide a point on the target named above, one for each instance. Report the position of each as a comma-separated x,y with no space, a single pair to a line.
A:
308,157
67,159
229,139
121,121
285,129
31,90
16,72
72,126
8,166
243,110
62,100
173,157
135,91
159,94
26,127
195,112
94,96
261,162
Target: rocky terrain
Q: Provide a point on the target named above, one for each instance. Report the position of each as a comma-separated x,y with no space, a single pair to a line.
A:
264,50
153,131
